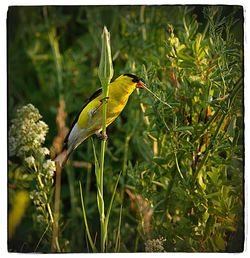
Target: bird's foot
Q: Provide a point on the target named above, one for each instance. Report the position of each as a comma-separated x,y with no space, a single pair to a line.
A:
101,136
104,99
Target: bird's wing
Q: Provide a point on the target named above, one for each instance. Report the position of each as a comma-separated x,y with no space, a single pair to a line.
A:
92,97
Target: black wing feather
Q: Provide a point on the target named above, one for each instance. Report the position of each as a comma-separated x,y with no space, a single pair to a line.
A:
92,97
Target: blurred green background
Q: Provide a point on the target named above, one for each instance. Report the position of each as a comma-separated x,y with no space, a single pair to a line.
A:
181,168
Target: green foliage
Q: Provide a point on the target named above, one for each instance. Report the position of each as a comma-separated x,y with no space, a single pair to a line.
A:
181,183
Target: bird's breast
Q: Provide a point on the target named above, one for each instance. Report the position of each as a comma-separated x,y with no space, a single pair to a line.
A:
91,116
116,105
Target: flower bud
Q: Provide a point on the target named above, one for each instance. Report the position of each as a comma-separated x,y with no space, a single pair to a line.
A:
105,70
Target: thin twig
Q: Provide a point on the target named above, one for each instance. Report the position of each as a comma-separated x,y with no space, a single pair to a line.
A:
163,102
42,237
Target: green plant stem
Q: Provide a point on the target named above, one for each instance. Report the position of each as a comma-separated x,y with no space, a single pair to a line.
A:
105,73
55,231
177,166
86,221
118,236
136,242
101,170
46,198
103,144
111,202
171,183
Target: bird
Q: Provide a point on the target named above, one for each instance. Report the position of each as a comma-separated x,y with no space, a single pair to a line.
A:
89,119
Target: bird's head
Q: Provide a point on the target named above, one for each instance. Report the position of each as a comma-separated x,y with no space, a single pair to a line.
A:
134,79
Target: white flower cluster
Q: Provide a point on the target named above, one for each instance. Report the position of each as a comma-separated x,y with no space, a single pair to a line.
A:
30,161
49,167
38,198
26,135
155,245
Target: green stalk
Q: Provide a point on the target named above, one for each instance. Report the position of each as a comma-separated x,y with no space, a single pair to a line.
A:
86,221
105,73
46,198
118,236
103,144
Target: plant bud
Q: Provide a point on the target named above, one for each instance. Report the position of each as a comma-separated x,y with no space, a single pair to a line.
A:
105,70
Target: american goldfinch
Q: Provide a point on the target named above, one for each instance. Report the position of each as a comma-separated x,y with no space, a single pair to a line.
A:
89,119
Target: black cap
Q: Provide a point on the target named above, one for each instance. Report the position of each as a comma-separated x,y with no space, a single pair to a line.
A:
134,77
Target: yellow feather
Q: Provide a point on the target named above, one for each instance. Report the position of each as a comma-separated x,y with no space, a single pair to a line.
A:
90,118
119,92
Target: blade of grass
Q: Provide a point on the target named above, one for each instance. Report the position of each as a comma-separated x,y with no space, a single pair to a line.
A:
45,231
86,221
106,219
111,201
118,236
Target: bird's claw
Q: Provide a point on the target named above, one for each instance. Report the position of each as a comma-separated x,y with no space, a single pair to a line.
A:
104,99
101,136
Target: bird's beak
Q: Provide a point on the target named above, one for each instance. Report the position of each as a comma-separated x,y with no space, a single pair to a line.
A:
140,84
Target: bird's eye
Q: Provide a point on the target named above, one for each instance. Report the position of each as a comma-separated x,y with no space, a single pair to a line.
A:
136,80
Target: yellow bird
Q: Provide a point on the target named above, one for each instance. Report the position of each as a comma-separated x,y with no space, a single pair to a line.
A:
89,119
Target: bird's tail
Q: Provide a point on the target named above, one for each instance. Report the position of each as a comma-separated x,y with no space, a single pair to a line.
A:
62,157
